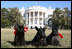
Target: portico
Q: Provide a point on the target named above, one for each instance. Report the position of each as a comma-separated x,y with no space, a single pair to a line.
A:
36,16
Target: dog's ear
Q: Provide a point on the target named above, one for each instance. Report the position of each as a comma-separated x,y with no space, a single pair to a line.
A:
36,28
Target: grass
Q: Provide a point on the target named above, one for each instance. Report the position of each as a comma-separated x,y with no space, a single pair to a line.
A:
8,35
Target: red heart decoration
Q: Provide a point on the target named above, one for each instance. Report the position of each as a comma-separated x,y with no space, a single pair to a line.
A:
60,35
26,29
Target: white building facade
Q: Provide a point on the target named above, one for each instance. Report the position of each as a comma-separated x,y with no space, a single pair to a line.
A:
36,16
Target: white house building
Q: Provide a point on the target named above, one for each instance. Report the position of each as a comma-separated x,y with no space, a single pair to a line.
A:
36,16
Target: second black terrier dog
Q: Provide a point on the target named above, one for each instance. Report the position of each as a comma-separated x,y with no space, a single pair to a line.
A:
52,39
40,38
19,39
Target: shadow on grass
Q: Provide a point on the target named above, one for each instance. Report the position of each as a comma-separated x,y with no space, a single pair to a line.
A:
11,42
27,42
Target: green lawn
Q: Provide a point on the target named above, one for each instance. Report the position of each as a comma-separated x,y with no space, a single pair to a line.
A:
8,35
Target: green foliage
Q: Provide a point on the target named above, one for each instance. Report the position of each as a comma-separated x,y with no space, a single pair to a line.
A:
11,16
4,19
62,18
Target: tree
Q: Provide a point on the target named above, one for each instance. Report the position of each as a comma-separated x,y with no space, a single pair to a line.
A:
4,20
56,17
15,16
67,14
11,16
60,18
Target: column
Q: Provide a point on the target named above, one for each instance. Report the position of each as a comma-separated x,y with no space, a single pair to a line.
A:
29,19
42,19
38,18
26,18
33,18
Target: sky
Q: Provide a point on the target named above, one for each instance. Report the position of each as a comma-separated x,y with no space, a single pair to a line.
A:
26,4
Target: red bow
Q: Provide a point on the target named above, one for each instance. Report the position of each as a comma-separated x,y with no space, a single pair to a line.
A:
60,35
26,29
15,30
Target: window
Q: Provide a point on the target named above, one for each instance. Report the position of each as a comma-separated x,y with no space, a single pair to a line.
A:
31,14
31,20
44,14
40,21
36,13
44,21
40,14
36,21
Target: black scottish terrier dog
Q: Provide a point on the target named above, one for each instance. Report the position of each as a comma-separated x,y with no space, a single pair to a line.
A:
52,39
19,39
40,38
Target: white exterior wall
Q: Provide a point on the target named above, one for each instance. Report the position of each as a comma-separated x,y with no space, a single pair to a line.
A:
34,9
